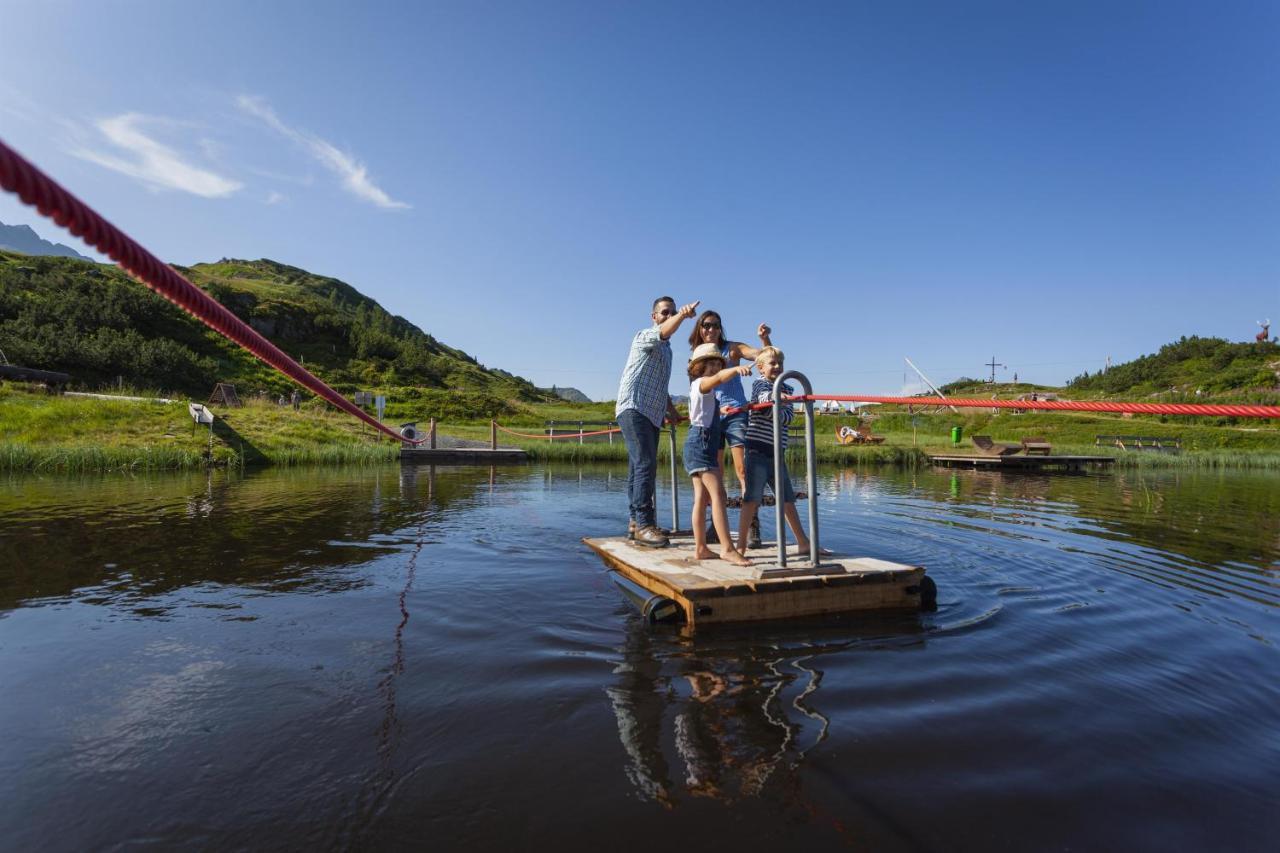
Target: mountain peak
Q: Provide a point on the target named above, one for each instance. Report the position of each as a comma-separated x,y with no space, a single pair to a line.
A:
24,239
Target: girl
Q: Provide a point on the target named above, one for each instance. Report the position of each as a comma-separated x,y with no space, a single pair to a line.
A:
706,372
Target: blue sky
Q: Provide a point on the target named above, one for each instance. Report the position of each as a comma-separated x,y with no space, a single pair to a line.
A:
1048,183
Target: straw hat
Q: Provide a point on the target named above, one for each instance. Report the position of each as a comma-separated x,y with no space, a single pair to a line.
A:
703,352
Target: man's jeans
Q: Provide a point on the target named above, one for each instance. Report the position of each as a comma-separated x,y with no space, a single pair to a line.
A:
641,437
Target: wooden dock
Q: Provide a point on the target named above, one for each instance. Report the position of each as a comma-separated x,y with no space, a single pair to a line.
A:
1021,462
709,592
461,456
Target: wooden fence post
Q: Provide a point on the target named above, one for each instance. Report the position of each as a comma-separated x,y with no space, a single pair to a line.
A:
493,435
432,435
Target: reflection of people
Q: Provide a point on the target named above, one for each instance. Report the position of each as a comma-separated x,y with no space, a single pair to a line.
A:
702,447
642,402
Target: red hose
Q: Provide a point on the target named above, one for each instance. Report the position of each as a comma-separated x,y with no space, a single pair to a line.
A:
19,176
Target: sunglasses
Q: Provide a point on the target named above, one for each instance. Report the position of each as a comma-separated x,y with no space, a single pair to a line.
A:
665,312
710,325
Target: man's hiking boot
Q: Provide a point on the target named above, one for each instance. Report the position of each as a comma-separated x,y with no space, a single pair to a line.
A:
753,540
631,530
651,537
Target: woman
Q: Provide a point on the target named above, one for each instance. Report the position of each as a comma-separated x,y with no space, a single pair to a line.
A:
710,330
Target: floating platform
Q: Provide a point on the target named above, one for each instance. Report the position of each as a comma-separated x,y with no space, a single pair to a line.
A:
1021,462
461,456
670,585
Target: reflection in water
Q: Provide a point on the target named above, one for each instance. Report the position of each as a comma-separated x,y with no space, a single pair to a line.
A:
365,658
739,716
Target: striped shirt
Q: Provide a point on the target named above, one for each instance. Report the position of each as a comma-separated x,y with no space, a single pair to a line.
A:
646,376
760,424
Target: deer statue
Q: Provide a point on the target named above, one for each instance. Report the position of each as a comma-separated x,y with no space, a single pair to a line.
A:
1262,336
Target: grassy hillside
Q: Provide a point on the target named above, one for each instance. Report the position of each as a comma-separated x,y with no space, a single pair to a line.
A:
1209,365
97,324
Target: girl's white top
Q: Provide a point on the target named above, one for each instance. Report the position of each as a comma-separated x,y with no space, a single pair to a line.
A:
702,407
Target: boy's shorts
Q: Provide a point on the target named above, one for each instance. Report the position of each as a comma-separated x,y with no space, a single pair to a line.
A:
734,428
760,473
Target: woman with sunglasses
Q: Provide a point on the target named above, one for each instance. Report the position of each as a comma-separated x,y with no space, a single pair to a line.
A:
730,395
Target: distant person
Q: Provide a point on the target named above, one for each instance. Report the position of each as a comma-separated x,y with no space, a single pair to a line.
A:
710,330
702,450
642,402
759,461
296,399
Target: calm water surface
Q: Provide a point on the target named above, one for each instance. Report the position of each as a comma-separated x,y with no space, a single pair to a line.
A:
395,658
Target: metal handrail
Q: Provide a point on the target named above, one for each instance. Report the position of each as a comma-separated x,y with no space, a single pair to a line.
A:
675,491
811,467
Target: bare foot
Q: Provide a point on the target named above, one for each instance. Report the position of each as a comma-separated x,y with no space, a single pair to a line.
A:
734,557
704,554
804,549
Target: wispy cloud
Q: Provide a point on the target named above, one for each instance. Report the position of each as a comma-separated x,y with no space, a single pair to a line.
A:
152,162
354,175
274,197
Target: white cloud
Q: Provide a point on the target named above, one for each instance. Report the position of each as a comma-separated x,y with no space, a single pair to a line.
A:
152,162
354,175
274,197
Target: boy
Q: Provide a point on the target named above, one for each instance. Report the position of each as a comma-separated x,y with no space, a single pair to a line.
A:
759,460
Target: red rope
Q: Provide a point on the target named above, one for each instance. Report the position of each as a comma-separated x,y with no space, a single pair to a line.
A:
1062,405
1209,409
557,435
19,176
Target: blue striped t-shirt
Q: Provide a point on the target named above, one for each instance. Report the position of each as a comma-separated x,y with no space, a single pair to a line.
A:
760,424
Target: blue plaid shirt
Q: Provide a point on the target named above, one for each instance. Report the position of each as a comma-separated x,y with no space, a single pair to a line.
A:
646,376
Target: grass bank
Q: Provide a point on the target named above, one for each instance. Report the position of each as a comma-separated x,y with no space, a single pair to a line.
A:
39,432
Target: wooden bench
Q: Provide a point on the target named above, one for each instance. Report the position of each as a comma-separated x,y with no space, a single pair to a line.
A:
1165,444
1036,444
991,448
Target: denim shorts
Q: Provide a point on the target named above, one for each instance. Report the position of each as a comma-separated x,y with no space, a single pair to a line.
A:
759,467
701,449
734,428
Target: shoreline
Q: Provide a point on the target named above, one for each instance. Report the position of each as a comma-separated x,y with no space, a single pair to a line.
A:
79,434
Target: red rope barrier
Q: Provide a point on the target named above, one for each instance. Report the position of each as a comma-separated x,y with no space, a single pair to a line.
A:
1221,410
19,176
546,437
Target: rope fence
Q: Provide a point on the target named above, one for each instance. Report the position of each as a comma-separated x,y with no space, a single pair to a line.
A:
33,187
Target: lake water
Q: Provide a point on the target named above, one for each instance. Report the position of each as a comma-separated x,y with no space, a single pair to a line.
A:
388,658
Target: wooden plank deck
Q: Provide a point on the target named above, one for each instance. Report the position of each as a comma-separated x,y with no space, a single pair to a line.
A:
1021,462
715,592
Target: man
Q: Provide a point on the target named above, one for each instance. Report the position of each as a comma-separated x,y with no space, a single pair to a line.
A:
642,402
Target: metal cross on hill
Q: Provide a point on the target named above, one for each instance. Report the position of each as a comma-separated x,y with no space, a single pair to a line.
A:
993,365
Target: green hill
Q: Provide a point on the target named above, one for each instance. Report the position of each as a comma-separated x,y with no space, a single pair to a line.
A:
1189,369
1190,365
100,326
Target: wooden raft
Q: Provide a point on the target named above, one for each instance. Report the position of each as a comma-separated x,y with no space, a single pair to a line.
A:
715,592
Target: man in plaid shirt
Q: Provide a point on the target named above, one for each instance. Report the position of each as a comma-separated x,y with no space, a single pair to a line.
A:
642,403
